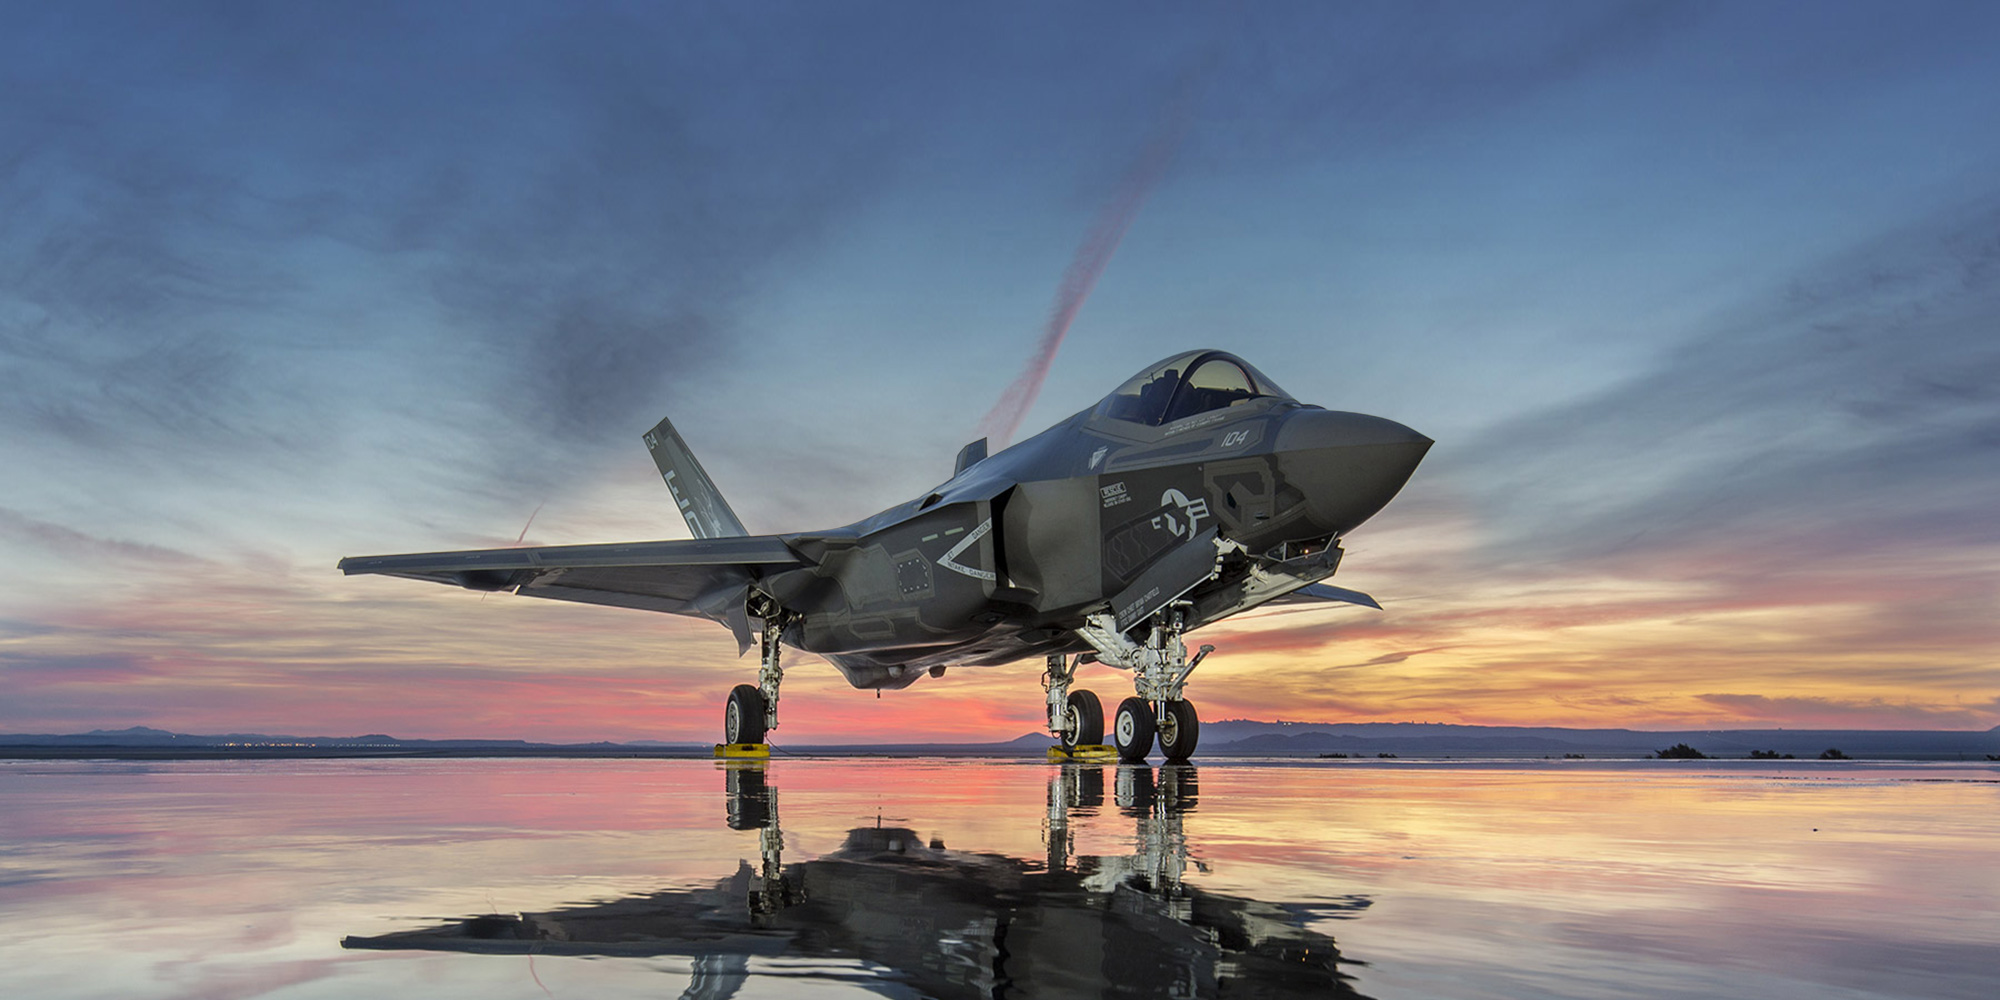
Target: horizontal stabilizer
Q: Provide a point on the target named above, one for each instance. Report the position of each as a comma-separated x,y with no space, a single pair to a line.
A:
708,515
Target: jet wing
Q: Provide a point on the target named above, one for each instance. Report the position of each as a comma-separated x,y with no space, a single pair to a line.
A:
701,577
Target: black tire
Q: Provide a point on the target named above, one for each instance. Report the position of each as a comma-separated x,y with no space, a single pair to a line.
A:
743,717
1132,730
1181,732
1087,713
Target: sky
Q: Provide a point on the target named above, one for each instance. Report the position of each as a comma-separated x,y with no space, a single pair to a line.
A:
1701,303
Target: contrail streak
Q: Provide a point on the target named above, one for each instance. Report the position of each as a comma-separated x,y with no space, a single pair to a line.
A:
1080,277
531,521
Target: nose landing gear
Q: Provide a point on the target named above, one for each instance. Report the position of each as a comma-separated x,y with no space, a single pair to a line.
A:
1179,730
1160,668
1138,725
1134,729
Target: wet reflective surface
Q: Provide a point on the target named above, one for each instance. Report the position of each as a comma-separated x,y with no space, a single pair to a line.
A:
503,878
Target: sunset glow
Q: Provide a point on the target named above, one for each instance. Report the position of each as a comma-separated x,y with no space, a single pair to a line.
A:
1698,303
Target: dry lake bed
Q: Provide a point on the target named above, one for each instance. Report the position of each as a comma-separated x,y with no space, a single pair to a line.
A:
494,879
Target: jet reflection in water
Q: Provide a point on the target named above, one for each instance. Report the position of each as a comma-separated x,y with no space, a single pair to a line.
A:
954,923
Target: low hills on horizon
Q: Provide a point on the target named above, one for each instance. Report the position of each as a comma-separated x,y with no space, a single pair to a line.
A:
1227,737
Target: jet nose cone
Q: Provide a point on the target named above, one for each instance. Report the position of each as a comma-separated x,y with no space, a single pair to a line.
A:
1309,429
1349,465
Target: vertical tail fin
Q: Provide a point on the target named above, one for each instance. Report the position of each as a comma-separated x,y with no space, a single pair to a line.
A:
970,455
708,515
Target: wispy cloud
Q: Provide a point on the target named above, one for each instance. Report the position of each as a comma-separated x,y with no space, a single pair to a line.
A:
90,549
1835,713
1854,412
583,226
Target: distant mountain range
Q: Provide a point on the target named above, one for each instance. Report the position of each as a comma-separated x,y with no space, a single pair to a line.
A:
140,736
1241,736
1228,737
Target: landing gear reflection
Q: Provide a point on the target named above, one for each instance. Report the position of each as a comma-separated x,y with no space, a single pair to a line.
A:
753,805
750,802
1132,789
1071,787
1156,799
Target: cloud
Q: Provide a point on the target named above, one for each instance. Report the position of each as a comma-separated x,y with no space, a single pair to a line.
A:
32,670
1347,78
1387,659
1851,418
562,214
1799,712
77,545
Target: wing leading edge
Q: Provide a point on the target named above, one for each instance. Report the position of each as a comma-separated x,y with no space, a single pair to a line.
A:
700,577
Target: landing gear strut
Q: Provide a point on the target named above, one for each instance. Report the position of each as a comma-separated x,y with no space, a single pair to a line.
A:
752,711
1160,667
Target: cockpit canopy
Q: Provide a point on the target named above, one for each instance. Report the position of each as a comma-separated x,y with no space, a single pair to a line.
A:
1187,384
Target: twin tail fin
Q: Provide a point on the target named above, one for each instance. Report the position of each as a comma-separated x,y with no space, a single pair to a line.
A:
708,515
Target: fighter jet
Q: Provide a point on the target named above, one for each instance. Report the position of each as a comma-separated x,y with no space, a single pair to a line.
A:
1197,490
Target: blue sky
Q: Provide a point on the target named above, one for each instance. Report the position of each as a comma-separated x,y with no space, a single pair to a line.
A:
1698,300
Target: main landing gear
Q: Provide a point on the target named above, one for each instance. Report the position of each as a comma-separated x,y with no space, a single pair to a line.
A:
752,711
1160,667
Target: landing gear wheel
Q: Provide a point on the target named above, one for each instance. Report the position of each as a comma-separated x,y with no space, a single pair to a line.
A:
1179,732
1132,730
743,717
1083,721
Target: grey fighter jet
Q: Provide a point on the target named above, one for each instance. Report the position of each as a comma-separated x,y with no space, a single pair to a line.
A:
1195,491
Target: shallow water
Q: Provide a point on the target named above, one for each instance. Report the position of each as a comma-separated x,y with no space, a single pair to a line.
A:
608,878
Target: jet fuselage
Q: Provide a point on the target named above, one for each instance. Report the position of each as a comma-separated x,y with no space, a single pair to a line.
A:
1004,561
